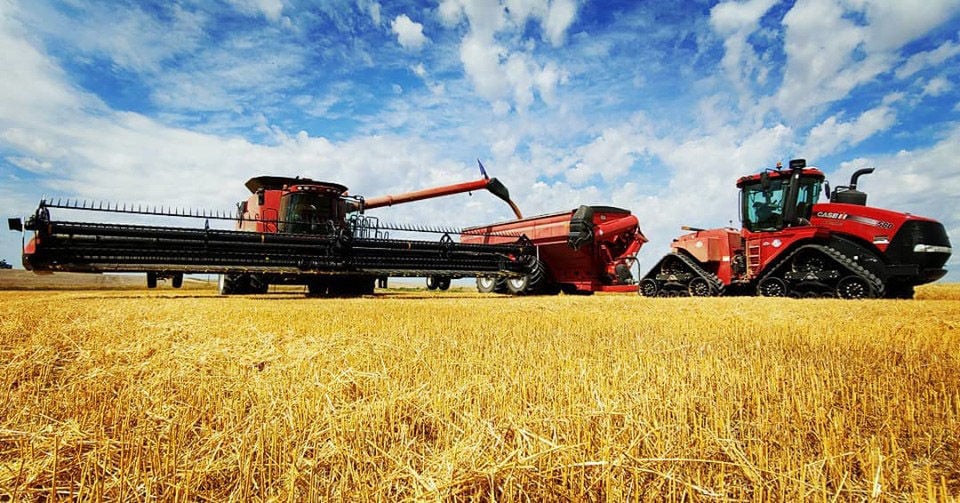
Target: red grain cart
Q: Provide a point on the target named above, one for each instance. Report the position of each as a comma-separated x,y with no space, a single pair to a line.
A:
590,249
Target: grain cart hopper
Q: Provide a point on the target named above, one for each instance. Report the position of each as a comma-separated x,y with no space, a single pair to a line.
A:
289,231
792,245
589,249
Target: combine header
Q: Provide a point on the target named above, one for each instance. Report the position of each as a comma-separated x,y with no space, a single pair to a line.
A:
289,231
791,245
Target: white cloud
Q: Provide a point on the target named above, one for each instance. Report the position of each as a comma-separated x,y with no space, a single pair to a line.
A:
829,54
373,9
937,86
736,21
504,68
609,156
927,59
409,33
828,136
270,9
559,17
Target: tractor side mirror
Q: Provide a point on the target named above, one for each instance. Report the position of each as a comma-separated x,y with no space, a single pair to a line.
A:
826,188
15,224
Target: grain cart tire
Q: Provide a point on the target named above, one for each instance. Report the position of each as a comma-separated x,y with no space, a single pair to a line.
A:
177,280
151,280
432,283
486,284
443,284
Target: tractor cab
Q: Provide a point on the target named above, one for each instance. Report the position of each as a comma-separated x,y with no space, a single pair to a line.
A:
779,198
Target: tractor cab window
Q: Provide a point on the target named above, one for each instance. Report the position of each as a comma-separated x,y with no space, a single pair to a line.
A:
306,213
807,196
763,205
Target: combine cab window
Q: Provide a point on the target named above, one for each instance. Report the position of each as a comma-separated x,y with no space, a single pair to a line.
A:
305,213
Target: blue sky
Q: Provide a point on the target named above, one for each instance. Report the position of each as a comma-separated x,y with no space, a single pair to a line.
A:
653,106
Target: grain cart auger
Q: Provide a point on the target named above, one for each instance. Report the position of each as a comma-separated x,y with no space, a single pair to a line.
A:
792,245
289,231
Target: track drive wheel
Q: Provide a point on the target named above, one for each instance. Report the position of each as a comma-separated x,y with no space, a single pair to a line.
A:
772,286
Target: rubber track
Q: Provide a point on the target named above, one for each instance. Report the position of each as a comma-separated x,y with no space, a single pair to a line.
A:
838,257
714,280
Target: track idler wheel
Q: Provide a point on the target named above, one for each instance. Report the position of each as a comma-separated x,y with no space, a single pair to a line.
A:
772,287
699,287
649,288
855,287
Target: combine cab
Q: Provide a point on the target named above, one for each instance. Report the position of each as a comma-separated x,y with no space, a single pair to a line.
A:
289,231
791,245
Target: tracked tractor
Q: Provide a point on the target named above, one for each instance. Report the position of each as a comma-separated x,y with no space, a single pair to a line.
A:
792,245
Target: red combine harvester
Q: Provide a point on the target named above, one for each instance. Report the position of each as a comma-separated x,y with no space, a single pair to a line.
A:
590,249
791,245
289,231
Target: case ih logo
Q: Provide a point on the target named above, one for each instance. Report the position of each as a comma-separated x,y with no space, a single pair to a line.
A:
855,218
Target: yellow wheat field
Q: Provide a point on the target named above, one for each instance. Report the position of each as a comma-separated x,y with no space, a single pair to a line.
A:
173,395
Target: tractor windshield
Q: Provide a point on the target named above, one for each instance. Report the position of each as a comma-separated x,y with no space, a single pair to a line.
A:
763,204
306,213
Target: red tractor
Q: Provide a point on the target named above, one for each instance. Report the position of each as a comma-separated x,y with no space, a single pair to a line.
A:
791,245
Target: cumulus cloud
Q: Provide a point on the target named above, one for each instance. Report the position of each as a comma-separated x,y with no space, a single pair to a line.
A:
828,136
928,59
409,33
270,9
829,54
505,69
937,86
